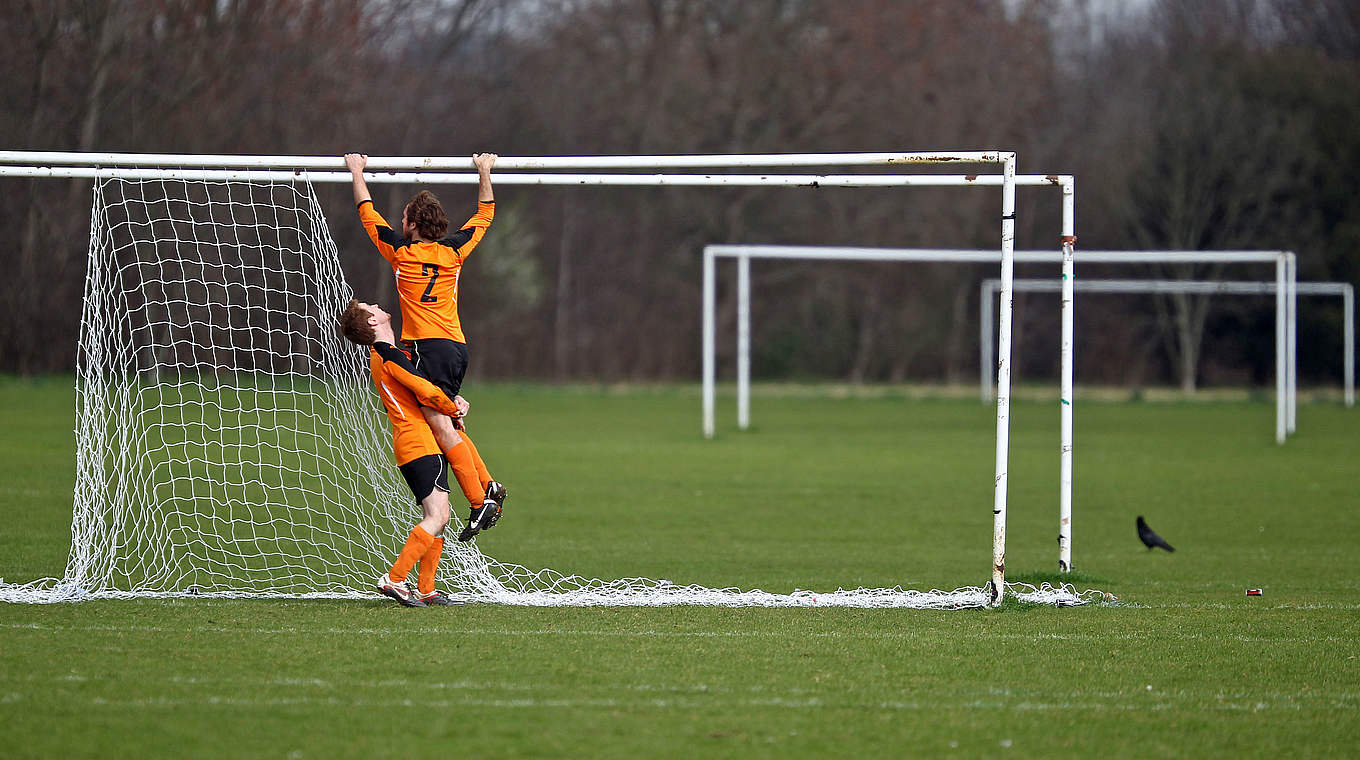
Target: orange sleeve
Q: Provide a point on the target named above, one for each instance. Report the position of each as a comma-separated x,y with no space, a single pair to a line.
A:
379,231
464,240
399,368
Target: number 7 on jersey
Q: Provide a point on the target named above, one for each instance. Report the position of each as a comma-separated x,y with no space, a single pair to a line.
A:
431,271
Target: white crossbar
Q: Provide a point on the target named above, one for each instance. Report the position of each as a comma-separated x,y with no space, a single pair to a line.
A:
436,178
504,163
957,255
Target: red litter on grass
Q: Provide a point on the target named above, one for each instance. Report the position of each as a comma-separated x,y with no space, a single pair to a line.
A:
1254,592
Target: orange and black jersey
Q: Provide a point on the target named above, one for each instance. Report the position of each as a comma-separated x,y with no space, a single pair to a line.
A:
427,273
403,393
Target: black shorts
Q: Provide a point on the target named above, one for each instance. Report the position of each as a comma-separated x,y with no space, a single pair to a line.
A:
440,360
424,474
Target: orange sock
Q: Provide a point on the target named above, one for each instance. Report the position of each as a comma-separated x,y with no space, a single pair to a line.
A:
462,459
482,474
416,545
429,563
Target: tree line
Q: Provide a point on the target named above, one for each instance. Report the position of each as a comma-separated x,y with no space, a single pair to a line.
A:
1189,124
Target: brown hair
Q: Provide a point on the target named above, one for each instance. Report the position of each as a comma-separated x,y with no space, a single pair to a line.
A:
427,216
354,324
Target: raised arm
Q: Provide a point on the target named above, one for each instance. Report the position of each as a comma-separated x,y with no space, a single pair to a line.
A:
356,163
483,162
379,231
470,234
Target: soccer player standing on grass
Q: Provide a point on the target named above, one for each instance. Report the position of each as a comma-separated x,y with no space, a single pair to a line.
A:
427,262
404,393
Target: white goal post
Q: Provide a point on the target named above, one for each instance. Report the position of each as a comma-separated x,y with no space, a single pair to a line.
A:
195,191
1345,290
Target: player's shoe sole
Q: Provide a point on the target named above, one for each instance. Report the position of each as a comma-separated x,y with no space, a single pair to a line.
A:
496,492
438,600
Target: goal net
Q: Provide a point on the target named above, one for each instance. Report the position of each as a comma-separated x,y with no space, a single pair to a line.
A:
230,443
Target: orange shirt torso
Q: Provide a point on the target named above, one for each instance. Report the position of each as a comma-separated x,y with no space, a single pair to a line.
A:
427,273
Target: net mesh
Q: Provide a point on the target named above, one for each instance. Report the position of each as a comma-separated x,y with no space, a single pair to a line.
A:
229,442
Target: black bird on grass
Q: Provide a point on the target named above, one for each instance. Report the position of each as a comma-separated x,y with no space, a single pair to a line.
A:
1150,539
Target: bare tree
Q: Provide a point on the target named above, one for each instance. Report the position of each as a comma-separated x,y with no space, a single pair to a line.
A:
1193,123
1214,168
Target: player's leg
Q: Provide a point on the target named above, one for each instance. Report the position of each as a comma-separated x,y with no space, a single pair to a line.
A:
463,462
445,432
492,491
425,475
436,505
463,459
486,497
444,363
393,582
483,474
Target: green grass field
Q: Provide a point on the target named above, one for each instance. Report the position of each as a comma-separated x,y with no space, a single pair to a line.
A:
823,492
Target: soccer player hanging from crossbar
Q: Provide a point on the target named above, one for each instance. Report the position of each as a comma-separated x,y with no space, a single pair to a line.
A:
427,262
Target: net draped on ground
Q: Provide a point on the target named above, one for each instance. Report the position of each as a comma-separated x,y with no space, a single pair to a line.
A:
229,442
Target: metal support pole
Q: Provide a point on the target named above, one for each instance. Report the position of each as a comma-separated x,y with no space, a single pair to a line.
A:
1348,332
1003,383
743,342
709,358
1281,296
987,318
1292,341
1069,242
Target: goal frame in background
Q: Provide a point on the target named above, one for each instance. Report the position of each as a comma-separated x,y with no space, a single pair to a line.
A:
435,170
1286,302
1345,290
